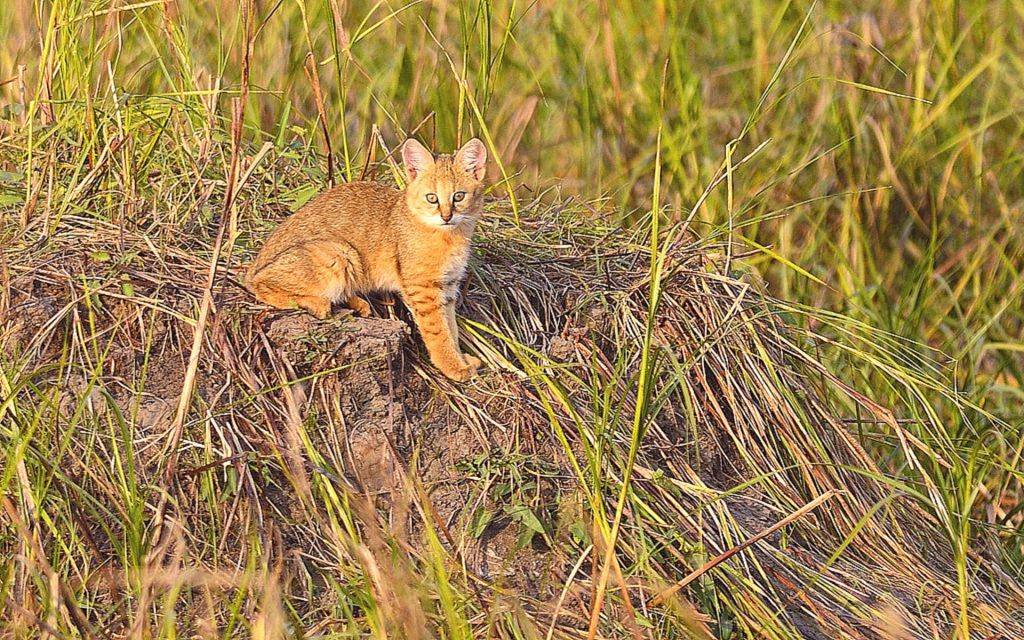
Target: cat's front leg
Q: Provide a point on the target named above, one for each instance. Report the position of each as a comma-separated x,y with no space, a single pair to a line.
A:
430,311
451,301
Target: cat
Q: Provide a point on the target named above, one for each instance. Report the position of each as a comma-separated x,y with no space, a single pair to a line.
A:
363,236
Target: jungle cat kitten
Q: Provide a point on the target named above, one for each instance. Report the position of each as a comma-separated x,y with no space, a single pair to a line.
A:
362,236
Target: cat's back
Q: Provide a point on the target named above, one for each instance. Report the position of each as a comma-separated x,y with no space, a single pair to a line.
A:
358,213
351,203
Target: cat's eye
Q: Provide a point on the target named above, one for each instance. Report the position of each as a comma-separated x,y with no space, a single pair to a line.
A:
432,198
458,196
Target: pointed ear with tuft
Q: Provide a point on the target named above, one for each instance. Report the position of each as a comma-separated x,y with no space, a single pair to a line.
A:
416,158
472,157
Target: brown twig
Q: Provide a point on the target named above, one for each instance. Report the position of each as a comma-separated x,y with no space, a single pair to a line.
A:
722,557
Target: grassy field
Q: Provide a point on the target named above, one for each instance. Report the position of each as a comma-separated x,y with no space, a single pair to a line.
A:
859,164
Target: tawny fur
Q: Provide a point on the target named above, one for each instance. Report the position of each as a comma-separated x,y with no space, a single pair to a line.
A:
361,237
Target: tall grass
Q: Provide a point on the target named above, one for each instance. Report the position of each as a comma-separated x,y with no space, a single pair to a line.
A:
865,159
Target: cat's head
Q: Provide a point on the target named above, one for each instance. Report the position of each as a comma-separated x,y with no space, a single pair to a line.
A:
447,191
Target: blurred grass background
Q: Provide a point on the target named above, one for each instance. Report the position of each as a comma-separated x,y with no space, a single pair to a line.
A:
873,154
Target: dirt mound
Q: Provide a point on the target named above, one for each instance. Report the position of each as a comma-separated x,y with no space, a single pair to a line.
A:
336,449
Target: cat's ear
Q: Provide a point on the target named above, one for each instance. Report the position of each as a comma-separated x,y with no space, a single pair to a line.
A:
416,158
472,157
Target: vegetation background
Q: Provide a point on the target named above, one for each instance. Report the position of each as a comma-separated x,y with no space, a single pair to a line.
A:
865,158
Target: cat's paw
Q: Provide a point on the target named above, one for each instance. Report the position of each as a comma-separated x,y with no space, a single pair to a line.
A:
359,306
466,372
317,306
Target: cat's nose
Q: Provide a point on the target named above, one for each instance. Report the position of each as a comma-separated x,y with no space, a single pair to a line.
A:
446,214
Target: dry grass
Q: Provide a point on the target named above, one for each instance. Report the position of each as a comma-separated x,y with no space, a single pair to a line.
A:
746,486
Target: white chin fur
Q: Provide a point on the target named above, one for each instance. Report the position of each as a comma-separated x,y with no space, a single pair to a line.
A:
436,221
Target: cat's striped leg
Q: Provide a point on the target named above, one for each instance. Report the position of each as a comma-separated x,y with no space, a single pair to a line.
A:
432,319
